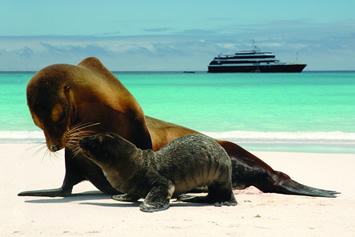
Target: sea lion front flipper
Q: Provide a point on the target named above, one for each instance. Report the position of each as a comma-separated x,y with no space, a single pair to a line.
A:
64,191
154,202
57,192
127,197
158,198
71,178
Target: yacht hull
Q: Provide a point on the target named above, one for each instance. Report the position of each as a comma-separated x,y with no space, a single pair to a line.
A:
259,68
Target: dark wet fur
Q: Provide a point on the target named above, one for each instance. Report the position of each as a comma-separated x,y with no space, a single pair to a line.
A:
184,164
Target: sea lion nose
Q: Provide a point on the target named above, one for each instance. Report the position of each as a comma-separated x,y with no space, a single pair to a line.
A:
55,147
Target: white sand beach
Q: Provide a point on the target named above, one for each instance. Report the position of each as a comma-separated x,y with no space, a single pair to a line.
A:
91,213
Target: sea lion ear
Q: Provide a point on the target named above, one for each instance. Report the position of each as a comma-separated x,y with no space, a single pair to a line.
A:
66,89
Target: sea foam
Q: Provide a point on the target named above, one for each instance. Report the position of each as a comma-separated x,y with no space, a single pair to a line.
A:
235,136
286,137
21,137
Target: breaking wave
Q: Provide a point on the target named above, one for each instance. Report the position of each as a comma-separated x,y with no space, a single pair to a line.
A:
21,137
286,137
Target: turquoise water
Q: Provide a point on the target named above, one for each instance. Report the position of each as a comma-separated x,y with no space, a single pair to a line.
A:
309,111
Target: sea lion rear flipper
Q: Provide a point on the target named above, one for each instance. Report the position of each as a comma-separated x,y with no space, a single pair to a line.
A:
193,198
226,199
249,170
290,186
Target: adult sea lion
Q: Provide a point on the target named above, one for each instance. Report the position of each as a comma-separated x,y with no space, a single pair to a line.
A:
186,163
65,99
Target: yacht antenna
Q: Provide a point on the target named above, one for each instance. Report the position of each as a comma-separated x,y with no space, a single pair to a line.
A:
256,48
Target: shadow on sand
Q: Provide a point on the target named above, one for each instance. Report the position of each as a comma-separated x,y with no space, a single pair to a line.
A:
90,195
91,198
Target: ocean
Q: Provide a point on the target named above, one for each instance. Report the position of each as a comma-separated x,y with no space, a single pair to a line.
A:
302,112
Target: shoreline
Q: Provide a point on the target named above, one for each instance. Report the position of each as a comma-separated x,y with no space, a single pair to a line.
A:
313,142
89,212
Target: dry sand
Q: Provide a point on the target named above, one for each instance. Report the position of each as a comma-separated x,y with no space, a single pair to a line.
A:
91,213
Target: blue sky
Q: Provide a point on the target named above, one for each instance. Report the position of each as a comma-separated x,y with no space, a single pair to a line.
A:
174,35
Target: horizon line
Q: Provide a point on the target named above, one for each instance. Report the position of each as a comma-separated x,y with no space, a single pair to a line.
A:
176,71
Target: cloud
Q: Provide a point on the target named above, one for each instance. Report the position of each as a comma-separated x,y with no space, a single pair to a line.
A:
115,33
198,32
158,30
25,52
78,50
323,46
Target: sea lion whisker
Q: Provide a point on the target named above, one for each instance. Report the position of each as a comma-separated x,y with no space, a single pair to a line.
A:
89,124
76,151
42,148
47,153
82,133
75,137
81,126
54,155
40,145
76,133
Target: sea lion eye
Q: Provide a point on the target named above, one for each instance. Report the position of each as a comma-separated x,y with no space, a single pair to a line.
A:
66,89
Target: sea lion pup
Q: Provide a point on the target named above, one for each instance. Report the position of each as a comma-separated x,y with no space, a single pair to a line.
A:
186,163
65,101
